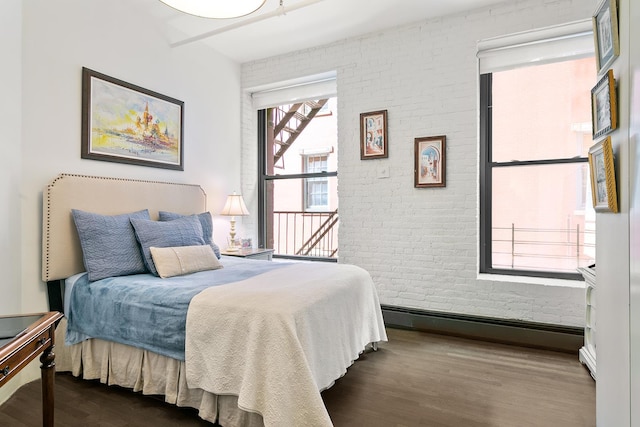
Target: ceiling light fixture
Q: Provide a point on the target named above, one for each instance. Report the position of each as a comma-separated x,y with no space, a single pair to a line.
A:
280,11
216,8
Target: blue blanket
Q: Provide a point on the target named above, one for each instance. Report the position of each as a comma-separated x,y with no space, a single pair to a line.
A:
146,311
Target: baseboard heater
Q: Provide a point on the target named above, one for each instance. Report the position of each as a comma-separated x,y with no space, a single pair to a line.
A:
540,335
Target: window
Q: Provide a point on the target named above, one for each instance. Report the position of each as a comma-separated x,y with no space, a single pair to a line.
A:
298,191
316,190
536,217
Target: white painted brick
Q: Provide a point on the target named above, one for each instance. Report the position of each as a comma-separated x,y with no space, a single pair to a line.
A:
419,245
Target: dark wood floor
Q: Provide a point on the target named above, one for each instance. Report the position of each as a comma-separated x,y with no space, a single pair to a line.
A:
416,379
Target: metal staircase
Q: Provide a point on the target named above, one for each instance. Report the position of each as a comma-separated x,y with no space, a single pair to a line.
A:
289,124
318,236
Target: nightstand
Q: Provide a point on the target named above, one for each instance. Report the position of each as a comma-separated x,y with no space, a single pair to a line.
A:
22,338
265,254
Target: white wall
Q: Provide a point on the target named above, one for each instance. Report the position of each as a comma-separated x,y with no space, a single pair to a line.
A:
114,38
10,113
10,172
420,245
45,45
613,398
634,208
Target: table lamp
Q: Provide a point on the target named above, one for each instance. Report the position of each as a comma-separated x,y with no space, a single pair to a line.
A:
233,207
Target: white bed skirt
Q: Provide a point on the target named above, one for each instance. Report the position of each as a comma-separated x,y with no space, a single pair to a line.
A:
149,373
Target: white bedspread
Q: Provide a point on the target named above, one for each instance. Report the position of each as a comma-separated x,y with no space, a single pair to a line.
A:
282,337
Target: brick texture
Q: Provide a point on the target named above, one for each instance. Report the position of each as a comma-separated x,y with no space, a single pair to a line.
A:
420,245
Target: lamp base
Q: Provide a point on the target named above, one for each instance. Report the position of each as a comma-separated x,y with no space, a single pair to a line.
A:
231,240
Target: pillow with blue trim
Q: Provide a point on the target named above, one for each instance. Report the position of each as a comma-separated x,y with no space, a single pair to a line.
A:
109,245
207,227
185,231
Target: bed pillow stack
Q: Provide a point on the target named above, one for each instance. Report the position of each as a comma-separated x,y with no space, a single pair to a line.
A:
120,245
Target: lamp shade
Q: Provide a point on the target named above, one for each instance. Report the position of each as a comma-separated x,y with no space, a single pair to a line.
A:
234,206
216,8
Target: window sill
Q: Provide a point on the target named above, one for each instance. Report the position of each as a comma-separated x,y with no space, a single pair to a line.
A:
541,281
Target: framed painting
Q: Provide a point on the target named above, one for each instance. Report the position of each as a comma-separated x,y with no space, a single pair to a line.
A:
603,177
604,106
605,34
373,135
430,162
125,123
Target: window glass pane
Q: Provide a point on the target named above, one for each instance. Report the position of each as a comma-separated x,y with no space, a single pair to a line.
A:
291,135
316,164
317,193
542,218
300,215
291,230
543,112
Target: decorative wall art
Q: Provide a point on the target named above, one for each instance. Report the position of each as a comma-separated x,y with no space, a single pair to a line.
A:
430,162
604,106
603,177
125,123
605,34
373,135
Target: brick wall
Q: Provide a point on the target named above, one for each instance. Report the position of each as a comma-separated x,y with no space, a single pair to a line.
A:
420,245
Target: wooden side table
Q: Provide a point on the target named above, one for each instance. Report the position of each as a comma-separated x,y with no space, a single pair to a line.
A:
22,338
265,254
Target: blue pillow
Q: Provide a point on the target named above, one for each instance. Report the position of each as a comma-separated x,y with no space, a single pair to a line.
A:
207,227
109,245
185,231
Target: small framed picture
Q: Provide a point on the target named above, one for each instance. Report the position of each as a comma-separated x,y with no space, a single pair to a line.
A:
603,106
603,177
373,135
430,162
605,34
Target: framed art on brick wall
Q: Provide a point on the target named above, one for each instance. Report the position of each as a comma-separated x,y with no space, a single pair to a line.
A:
430,162
373,135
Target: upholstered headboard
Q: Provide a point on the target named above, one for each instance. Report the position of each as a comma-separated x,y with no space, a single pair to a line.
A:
61,251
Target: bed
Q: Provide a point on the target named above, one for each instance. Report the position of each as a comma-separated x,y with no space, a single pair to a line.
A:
245,342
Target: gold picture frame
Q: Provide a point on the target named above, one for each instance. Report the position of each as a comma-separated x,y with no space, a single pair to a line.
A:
603,177
605,34
604,106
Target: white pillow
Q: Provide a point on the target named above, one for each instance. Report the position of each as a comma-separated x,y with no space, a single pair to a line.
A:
179,260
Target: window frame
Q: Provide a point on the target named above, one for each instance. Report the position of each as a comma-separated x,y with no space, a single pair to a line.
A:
485,187
305,187
264,180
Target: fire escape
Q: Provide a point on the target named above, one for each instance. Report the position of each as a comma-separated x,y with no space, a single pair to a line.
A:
319,234
288,123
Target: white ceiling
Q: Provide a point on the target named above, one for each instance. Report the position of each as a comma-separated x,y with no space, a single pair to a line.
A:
305,23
